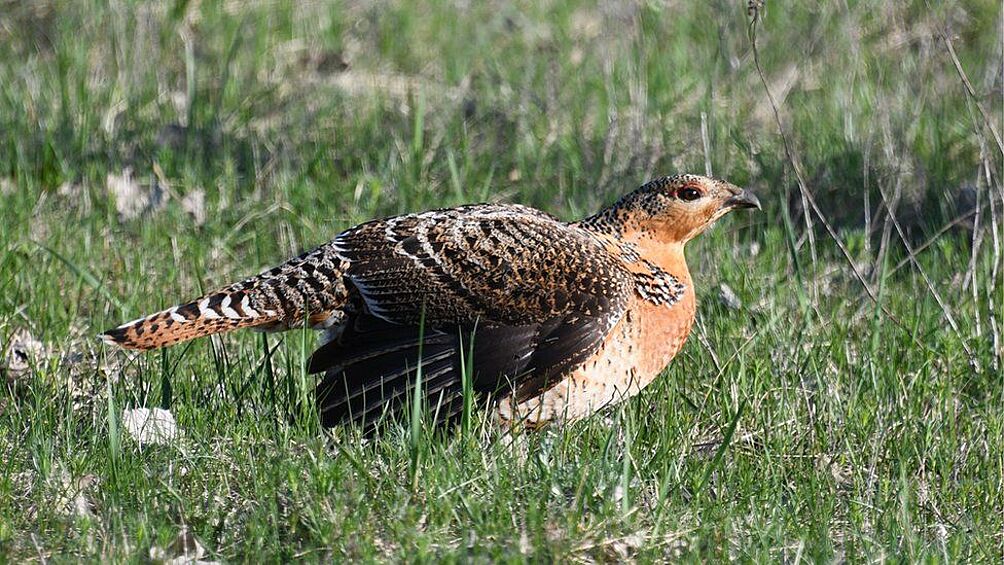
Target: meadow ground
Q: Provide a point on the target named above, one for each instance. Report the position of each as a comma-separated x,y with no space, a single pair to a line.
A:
845,403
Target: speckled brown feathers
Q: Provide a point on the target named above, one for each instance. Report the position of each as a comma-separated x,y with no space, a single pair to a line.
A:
553,320
505,263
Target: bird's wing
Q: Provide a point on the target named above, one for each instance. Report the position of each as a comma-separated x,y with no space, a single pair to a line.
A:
536,296
508,264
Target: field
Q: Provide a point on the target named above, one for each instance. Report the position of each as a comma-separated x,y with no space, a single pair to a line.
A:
841,397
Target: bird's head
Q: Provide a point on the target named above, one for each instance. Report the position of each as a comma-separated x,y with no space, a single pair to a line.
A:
674,209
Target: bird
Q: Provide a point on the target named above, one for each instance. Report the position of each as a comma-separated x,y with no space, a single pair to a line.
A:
540,320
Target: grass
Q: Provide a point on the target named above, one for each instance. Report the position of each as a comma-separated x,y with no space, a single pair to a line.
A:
812,423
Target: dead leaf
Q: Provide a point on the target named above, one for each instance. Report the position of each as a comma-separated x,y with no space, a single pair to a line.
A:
195,204
625,548
150,426
185,549
71,495
7,187
131,199
70,189
525,548
23,352
728,297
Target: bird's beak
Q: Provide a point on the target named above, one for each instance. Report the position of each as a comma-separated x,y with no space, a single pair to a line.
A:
745,199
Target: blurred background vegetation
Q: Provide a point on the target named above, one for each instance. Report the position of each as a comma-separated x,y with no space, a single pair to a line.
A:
559,103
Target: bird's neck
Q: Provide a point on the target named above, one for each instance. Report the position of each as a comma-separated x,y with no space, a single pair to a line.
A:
615,226
609,221
667,255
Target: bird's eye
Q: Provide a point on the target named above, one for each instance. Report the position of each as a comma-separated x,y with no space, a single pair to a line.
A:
689,193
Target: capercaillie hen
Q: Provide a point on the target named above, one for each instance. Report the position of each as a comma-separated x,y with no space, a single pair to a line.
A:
555,320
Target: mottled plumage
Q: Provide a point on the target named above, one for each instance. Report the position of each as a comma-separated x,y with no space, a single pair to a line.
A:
555,319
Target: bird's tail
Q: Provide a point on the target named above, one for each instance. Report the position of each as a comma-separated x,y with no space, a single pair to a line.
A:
218,312
309,286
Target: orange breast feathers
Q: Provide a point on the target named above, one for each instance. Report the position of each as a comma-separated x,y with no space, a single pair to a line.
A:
662,332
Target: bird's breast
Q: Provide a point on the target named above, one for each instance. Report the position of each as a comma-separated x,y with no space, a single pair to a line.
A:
661,332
